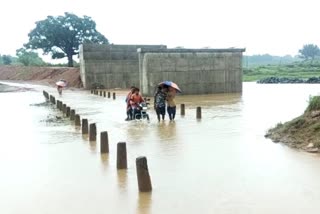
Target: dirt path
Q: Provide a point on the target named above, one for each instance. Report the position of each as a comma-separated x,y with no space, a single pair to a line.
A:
42,75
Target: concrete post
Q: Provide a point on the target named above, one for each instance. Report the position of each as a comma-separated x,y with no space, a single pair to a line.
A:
144,181
182,109
104,142
60,105
198,112
85,128
77,121
91,91
53,100
114,95
58,101
121,155
68,112
64,108
101,93
92,132
109,95
72,114
104,94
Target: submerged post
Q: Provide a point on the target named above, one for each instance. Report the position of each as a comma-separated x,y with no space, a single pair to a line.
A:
104,142
68,112
72,114
198,112
121,155
92,132
182,109
64,108
85,128
114,95
77,121
104,94
109,94
101,93
144,181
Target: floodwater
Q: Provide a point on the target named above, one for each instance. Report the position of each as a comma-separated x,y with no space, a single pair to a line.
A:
220,164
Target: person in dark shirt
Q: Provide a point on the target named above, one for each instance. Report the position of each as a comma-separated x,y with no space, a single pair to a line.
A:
160,102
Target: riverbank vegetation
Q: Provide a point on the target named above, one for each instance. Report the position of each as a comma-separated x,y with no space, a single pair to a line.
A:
299,69
302,132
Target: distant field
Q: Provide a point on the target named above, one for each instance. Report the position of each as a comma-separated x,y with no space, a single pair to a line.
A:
299,70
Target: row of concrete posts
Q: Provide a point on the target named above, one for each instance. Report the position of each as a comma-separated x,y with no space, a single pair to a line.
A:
144,180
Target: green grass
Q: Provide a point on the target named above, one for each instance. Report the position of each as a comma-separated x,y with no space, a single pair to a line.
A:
302,70
314,103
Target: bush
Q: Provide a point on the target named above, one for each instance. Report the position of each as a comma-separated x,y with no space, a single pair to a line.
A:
314,103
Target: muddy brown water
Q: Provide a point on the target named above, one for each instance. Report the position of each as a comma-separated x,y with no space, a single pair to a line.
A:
220,164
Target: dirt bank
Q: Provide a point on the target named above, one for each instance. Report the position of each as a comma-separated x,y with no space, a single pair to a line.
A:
302,132
42,75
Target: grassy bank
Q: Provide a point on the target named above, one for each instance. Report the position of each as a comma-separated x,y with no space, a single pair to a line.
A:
302,132
302,70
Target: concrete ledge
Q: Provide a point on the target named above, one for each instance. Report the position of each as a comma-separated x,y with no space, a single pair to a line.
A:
227,50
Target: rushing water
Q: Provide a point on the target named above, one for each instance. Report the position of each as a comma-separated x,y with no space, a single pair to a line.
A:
221,164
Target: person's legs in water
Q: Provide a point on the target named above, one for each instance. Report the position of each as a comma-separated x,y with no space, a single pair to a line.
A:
169,112
173,112
158,113
129,114
163,112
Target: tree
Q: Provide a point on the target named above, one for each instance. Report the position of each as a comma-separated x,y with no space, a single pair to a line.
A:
6,59
309,51
62,35
28,58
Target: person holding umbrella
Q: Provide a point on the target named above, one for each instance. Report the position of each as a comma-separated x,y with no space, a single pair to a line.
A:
60,84
160,101
173,88
171,107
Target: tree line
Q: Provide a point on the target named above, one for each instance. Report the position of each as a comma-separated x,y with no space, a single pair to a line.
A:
58,36
61,36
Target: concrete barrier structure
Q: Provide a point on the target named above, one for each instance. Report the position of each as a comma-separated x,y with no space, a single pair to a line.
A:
196,71
111,66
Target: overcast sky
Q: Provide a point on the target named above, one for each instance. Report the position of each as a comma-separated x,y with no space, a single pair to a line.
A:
276,27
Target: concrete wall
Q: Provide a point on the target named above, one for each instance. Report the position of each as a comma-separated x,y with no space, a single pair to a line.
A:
196,71
112,66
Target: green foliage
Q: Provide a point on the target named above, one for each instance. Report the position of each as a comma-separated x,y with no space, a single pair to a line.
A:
314,103
309,51
62,35
267,59
299,69
29,58
6,59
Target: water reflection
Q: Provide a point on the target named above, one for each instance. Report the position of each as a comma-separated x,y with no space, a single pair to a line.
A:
104,161
144,203
167,130
93,146
122,176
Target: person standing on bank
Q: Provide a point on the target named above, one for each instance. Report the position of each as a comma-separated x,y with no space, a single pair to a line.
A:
160,102
171,109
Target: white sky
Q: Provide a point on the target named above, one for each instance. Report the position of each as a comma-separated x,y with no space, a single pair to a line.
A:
276,27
